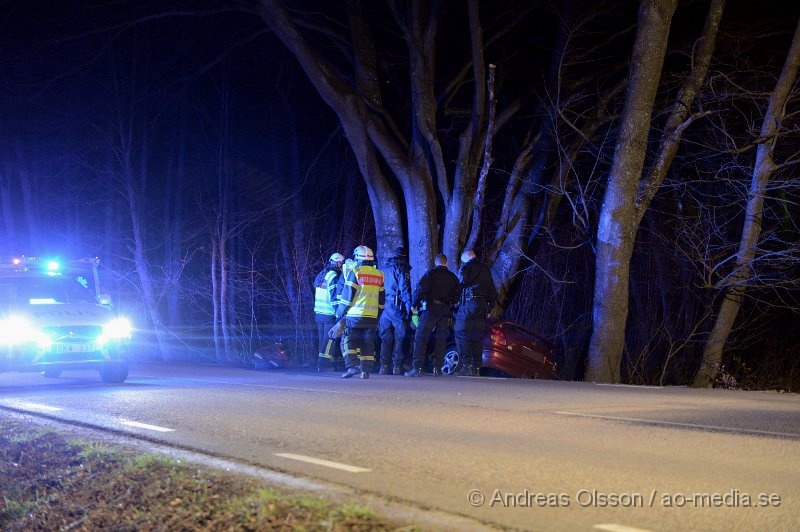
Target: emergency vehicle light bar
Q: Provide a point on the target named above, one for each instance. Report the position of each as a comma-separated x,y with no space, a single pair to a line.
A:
25,264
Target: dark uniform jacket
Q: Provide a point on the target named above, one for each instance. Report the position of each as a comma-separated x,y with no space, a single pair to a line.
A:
397,285
438,286
477,283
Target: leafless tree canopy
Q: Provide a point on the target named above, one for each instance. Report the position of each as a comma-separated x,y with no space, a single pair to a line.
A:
627,169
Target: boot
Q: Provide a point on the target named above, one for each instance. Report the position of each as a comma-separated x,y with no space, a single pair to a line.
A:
384,371
416,372
350,372
323,365
437,372
365,374
397,370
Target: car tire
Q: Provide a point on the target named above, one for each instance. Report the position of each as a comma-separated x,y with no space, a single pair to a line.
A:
452,361
114,372
51,373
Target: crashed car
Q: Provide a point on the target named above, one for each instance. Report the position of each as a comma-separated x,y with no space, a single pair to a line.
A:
509,350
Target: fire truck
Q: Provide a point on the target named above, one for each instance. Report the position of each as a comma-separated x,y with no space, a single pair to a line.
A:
54,318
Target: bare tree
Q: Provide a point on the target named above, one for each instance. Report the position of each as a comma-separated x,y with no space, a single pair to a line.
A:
735,283
617,227
411,147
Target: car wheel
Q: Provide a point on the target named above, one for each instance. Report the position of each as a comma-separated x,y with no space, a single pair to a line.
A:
51,373
114,372
452,362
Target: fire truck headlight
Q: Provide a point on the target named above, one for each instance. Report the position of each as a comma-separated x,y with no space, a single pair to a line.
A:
118,329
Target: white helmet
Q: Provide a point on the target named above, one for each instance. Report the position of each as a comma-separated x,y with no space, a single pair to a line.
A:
337,257
363,253
467,256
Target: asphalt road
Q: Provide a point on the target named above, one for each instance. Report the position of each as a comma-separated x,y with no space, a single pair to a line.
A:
531,455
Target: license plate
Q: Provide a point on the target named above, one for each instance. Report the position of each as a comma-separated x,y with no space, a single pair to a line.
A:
74,348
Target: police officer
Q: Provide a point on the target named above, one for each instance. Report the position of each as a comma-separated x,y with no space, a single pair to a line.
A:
360,304
394,326
439,289
325,297
478,296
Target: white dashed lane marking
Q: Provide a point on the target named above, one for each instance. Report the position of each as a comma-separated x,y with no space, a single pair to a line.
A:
37,407
146,426
611,527
324,463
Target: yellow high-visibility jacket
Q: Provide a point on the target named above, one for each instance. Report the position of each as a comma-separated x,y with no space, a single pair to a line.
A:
362,298
325,291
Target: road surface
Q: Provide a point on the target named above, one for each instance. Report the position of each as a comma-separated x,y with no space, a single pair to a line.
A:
519,454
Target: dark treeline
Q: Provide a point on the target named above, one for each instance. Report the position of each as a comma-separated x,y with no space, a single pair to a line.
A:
213,156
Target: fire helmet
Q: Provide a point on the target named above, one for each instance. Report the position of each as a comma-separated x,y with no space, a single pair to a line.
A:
363,253
337,257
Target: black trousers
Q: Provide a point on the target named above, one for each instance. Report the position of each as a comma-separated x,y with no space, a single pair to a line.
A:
435,319
394,332
359,348
469,327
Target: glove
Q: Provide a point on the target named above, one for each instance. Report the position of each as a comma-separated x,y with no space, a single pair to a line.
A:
337,330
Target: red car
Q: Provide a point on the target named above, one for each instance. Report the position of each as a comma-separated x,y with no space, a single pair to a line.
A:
510,350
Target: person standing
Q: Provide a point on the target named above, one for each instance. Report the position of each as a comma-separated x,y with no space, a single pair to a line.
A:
439,290
478,296
325,298
360,303
394,326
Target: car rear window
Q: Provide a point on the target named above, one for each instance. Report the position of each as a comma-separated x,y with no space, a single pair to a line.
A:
527,333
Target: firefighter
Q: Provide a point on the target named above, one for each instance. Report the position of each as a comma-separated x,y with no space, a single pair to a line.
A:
478,296
361,303
338,332
325,297
439,290
394,326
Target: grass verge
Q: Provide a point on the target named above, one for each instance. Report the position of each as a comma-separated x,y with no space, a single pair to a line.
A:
50,482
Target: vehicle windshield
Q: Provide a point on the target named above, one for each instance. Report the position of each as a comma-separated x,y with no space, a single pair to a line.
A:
43,290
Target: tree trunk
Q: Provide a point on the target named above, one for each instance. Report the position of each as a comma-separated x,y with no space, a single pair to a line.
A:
9,220
174,212
28,199
736,283
143,271
616,228
215,301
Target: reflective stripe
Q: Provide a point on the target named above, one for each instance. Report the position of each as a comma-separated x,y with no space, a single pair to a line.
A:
327,352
